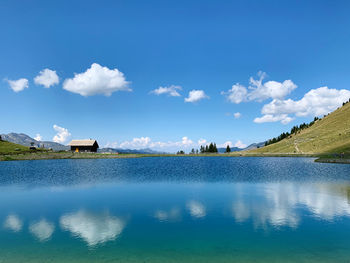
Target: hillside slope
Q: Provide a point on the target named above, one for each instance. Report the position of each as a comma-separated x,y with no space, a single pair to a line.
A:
10,148
331,134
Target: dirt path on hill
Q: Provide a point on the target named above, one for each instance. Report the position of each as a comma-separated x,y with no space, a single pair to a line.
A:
296,147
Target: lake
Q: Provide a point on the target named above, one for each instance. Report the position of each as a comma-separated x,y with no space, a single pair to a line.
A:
175,209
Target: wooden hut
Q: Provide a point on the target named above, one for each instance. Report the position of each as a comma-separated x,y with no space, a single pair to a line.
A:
83,145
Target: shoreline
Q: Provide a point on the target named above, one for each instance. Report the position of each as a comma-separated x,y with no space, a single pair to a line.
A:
39,155
333,160
71,155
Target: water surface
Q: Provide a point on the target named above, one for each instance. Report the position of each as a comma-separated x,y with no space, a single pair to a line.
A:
175,209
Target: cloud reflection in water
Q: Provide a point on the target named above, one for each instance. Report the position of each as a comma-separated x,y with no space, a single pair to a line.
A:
92,228
173,214
279,204
42,229
13,222
196,209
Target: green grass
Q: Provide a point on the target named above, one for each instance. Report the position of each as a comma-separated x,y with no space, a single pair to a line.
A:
12,148
42,155
329,135
10,151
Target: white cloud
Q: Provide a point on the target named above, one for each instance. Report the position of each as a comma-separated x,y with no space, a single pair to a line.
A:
316,102
146,142
240,144
111,145
42,229
171,91
196,209
38,137
13,222
62,134
259,91
18,85
283,118
186,141
237,115
47,78
224,145
141,142
271,89
236,94
196,95
94,229
97,80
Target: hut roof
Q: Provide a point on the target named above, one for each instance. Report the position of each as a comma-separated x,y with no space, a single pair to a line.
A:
82,143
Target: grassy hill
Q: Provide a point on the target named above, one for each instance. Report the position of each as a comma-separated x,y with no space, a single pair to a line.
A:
330,134
11,148
7,148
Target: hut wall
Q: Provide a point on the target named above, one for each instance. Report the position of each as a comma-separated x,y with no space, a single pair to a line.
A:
84,148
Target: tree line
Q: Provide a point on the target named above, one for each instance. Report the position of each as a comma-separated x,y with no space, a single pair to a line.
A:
346,102
293,130
211,148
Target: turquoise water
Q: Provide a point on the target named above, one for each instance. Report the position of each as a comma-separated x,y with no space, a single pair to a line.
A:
210,209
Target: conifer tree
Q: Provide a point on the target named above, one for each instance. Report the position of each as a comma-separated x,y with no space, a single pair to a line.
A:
228,149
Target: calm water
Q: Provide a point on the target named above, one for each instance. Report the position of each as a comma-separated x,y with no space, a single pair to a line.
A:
211,209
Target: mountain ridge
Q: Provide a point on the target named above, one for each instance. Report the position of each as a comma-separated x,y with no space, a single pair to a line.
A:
26,140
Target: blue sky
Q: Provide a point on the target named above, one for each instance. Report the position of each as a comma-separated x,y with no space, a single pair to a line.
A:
111,58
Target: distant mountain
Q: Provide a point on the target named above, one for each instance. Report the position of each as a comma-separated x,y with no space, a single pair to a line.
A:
249,147
24,139
120,150
255,146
